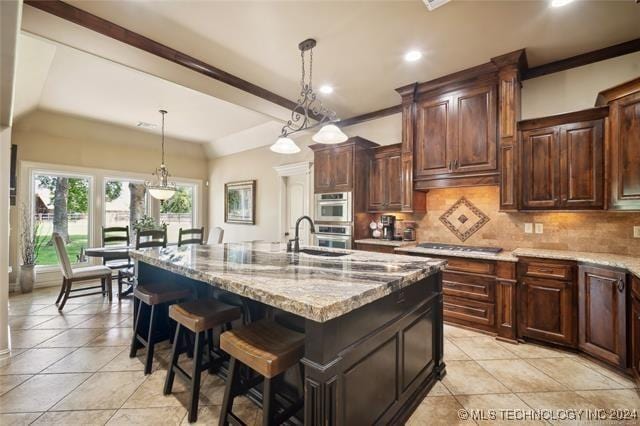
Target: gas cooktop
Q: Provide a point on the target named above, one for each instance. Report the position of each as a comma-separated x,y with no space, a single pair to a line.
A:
456,247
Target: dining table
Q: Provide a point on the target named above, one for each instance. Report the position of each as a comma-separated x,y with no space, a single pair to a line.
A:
111,253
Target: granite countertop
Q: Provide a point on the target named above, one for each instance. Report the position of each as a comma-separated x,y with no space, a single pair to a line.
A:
315,287
506,256
630,263
381,242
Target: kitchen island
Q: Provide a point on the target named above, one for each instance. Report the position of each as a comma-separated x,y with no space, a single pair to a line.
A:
373,322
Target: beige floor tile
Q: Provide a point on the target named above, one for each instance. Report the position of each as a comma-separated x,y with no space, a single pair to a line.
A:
453,353
24,308
242,407
573,374
452,331
150,395
75,418
84,360
495,409
18,419
148,416
122,362
105,321
53,309
625,399
557,403
30,338
530,350
624,381
118,336
438,410
482,348
439,389
33,360
39,393
468,377
25,322
98,308
9,382
520,376
62,322
72,338
102,391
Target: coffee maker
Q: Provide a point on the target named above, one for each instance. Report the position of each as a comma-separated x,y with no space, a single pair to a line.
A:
388,226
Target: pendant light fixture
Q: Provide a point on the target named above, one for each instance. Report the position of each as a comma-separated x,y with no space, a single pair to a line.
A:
307,109
160,188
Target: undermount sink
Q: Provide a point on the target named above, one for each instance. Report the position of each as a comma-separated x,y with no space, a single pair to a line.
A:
322,253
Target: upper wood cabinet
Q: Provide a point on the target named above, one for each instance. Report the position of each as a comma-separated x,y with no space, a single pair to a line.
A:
385,179
456,136
562,160
602,305
624,136
337,168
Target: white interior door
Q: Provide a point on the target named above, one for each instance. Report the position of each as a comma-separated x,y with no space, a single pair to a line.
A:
295,207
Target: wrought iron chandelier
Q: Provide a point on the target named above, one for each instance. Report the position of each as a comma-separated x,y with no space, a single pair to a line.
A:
309,112
160,188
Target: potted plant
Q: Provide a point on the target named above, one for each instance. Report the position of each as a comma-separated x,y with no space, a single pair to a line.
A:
146,223
31,244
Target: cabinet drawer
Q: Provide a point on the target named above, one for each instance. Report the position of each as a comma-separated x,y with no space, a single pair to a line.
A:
469,265
548,270
468,286
469,312
375,248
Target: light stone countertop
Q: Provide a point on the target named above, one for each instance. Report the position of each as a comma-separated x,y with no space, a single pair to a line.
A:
506,256
381,242
315,287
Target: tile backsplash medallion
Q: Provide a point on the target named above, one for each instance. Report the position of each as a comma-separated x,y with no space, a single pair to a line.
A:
603,232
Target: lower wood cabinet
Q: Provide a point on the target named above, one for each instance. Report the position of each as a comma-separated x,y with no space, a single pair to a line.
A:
378,248
602,313
547,308
634,327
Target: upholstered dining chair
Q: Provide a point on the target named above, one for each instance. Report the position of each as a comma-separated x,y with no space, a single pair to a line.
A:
72,275
190,236
216,235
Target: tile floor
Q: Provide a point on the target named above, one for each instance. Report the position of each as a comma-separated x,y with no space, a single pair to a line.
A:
74,369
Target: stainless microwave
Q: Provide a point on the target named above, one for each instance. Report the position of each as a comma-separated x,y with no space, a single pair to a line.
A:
333,207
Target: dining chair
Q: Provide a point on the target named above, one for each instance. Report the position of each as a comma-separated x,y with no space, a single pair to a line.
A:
216,235
112,236
72,275
152,238
190,236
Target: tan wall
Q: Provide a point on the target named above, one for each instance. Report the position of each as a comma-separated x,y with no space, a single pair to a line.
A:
47,137
577,88
596,232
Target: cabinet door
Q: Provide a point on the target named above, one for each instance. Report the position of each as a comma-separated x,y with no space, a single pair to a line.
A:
475,130
434,138
546,310
602,313
582,165
322,170
540,164
342,168
625,153
393,181
635,336
377,183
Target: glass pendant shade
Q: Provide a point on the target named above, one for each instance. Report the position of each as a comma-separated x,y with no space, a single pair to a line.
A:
161,193
330,134
285,146
161,188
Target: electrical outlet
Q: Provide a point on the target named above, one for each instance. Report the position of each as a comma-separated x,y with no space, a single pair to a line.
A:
636,232
539,228
528,228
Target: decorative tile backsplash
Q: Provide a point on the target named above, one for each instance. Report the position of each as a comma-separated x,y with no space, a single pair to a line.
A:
464,219
602,232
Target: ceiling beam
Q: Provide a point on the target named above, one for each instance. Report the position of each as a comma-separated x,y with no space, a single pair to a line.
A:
584,59
370,116
107,28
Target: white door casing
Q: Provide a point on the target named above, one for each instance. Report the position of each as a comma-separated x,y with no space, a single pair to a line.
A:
295,200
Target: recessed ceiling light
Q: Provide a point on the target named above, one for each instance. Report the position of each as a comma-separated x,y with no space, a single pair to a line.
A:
146,125
560,3
412,55
326,89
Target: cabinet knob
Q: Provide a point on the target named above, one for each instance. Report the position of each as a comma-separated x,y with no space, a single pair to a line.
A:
620,285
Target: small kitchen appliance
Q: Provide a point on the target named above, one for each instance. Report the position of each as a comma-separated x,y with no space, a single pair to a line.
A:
388,226
409,233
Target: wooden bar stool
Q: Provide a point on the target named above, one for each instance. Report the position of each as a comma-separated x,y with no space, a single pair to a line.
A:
269,349
150,296
200,317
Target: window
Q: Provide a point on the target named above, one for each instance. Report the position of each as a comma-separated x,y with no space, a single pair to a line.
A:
125,201
177,212
61,204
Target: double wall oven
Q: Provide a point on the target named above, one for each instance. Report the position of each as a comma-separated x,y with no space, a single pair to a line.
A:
334,216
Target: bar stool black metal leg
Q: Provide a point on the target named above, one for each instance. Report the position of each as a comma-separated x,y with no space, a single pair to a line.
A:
229,393
267,402
210,349
195,376
175,354
136,328
150,341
